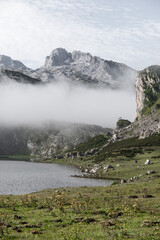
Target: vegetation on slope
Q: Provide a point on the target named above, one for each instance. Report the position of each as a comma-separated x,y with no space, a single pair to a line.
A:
95,142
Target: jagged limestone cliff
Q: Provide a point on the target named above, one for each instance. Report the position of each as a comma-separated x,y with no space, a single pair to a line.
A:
84,69
148,90
148,106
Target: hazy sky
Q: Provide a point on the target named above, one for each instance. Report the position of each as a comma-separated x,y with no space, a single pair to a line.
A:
125,31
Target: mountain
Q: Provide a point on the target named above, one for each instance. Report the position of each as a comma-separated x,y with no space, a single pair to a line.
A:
147,121
83,68
46,141
77,68
8,63
53,140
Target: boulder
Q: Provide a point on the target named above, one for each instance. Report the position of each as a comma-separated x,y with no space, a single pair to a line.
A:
150,172
105,168
147,162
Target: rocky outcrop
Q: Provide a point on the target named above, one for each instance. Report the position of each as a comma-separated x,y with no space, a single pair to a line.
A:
142,128
148,107
147,88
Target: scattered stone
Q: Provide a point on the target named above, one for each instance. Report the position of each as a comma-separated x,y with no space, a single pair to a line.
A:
147,162
123,181
95,169
132,179
105,168
118,165
150,172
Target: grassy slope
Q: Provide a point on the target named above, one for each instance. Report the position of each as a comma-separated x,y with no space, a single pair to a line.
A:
121,211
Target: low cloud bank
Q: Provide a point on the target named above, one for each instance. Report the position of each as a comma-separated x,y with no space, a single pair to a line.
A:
25,104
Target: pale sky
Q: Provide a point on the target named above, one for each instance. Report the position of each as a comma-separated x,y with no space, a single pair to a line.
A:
125,31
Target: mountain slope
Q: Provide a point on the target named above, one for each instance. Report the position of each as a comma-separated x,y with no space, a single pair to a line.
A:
15,76
45,141
147,122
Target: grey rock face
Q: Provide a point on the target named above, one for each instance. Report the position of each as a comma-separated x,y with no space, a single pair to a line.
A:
147,86
83,68
77,68
58,57
8,63
147,91
142,128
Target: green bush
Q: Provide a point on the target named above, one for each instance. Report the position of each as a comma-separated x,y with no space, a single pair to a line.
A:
121,123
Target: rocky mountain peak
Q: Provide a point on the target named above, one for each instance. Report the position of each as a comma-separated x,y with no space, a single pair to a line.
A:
58,57
83,57
82,68
8,63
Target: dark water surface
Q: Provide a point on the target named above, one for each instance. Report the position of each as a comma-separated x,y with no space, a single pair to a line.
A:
18,177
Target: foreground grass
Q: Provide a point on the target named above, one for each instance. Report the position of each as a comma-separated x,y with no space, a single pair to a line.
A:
122,211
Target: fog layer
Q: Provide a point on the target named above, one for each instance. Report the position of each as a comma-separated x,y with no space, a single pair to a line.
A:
27,104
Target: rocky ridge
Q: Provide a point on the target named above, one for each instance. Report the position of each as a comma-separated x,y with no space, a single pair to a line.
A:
83,68
77,68
15,76
52,141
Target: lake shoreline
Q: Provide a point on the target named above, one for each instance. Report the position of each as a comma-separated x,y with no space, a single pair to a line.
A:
22,177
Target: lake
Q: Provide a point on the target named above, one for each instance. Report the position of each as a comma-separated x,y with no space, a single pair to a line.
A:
19,177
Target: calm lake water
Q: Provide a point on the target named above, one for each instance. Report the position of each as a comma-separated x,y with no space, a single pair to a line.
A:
17,177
